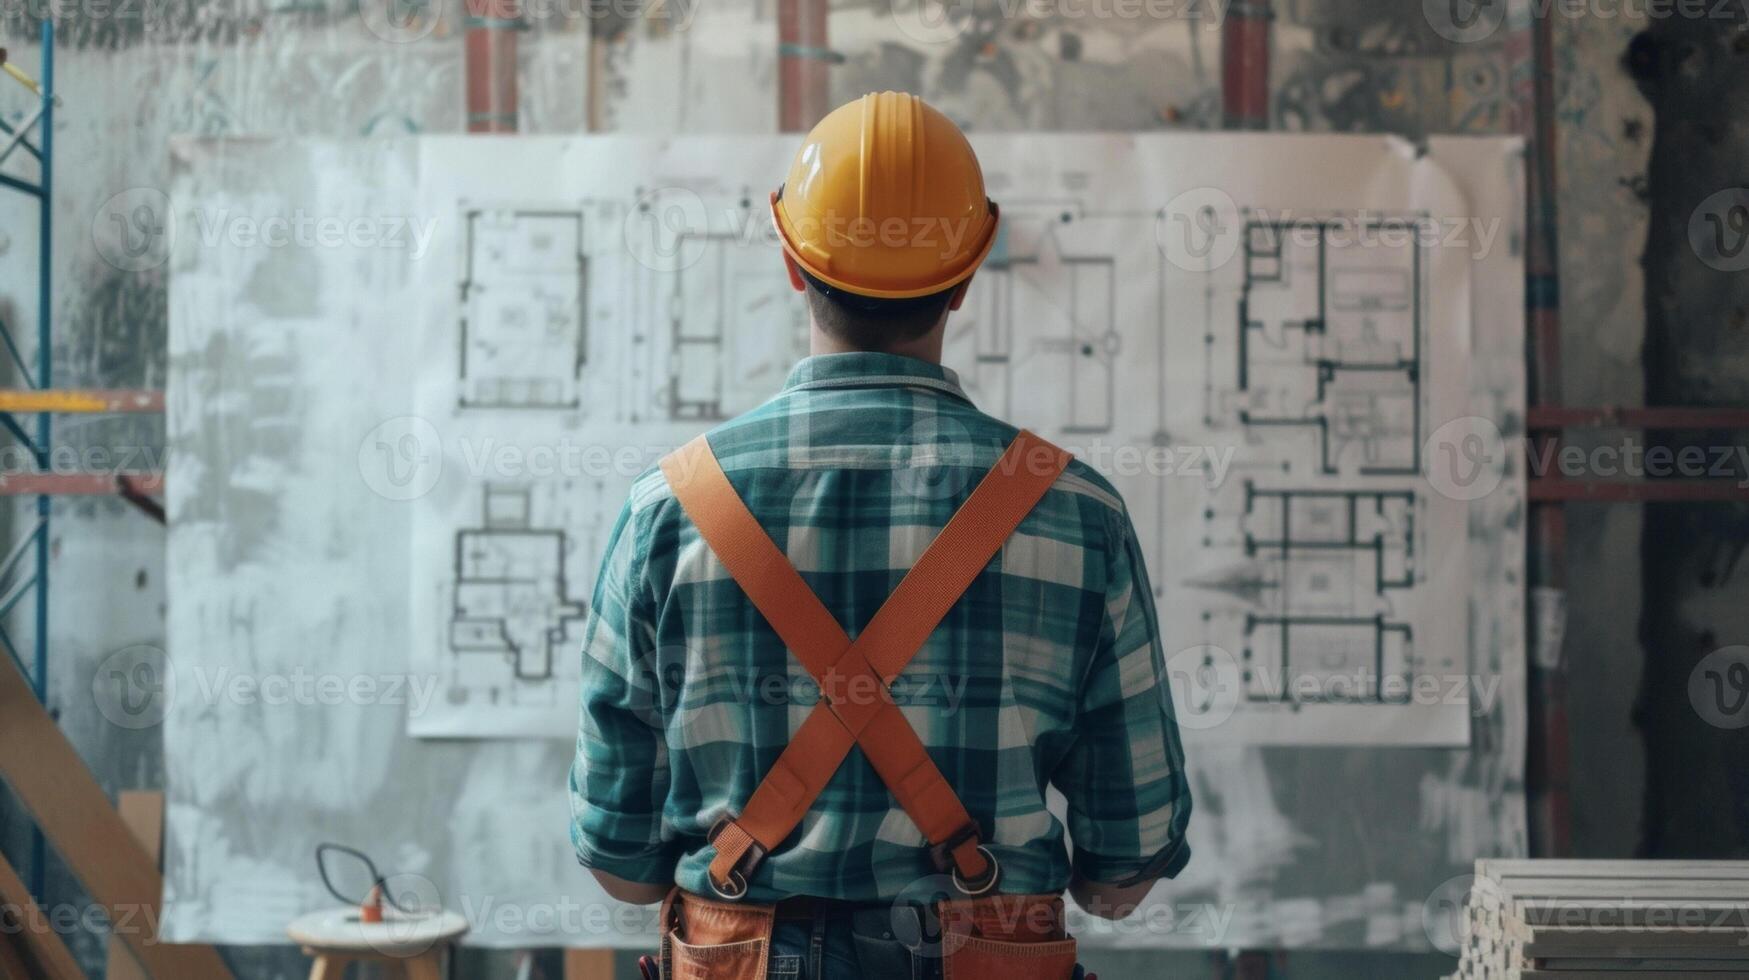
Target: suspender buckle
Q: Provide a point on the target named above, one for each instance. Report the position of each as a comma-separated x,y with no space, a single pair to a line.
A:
942,853
943,856
733,887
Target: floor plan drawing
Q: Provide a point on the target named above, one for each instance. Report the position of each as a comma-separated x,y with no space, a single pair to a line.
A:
735,327
1045,297
1311,567
1260,406
1329,339
591,337
515,609
523,327
1331,564
511,597
707,325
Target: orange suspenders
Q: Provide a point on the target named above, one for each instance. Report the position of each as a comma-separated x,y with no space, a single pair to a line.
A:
898,630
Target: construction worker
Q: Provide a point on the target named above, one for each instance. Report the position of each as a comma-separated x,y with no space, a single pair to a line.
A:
842,645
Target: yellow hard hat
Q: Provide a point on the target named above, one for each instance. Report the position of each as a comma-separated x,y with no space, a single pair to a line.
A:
886,199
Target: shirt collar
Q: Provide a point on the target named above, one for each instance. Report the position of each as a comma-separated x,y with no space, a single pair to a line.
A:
867,369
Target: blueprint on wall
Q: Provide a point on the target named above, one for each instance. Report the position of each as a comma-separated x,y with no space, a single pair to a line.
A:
398,466
1257,368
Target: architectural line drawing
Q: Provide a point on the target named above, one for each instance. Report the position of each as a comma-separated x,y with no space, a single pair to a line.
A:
1330,338
1332,564
735,327
1314,574
524,324
1259,402
1040,293
511,597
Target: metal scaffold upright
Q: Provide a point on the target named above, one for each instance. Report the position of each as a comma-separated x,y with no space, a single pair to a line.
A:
34,541
33,396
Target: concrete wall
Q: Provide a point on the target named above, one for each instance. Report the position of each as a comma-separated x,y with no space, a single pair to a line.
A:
1695,616
283,67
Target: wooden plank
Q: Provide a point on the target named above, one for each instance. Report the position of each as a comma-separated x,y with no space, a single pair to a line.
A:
1538,937
1575,918
1612,974
588,964
73,812
143,812
1623,870
29,934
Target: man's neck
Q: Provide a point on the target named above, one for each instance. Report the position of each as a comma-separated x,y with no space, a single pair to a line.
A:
924,348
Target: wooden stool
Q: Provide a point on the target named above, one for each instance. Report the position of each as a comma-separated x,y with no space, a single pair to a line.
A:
408,948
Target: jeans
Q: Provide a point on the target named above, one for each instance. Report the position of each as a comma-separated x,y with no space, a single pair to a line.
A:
873,944
844,945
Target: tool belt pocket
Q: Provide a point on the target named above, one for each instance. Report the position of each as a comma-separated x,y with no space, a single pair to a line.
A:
988,959
722,961
706,940
1006,937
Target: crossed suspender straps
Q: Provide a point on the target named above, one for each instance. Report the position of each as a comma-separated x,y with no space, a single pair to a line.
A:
880,653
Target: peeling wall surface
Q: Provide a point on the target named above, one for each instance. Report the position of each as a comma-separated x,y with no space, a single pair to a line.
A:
1604,137
1695,613
289,68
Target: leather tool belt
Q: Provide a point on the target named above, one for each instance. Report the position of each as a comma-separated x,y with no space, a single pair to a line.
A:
994,937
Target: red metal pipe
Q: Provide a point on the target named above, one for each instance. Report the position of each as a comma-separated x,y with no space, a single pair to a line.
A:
1245,36
1530,60
803,57
80,484
489,50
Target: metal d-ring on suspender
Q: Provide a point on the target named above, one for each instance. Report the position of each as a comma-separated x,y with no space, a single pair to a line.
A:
880,653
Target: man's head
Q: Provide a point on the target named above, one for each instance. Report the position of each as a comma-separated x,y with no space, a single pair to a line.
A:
883,220
848,321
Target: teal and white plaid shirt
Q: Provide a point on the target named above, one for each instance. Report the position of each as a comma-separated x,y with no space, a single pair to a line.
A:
1048,672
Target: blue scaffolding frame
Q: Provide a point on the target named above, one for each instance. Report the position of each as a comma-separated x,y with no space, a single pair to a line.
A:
38,536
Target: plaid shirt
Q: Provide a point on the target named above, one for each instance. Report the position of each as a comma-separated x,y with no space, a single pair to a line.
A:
1047,672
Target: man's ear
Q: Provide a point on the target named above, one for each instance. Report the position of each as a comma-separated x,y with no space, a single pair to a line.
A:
795,274
959,295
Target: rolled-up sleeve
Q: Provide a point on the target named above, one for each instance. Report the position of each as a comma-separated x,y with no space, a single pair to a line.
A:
620,774
1124,778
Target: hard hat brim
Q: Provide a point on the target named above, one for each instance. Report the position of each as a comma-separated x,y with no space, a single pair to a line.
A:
786,234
